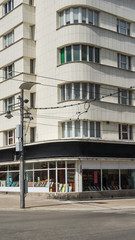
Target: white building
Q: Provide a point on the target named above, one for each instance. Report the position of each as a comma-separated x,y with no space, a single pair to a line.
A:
81,55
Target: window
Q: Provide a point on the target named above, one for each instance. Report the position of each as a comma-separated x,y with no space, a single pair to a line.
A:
8,6
32,66
10,137
81,90
73,129
8,39
79,53
124,62
32,134
123,27
124,96
9,71
32,100
9,104
85,16
125,132
31,2
75,15
32,32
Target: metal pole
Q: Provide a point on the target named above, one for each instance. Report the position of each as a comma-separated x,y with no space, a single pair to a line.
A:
22,197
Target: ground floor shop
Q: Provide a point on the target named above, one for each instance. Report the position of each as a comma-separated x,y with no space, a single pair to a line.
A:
74,175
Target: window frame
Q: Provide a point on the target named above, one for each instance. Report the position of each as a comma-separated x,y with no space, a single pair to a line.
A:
128,132
8,6
9,106
121,63
9,73
8,41
10,137
120,28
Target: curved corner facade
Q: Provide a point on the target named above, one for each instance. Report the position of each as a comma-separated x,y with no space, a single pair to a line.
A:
81,57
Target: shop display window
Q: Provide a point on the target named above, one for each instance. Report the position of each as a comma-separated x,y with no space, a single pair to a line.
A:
91,180
13,179
70,164
70,180
13,167
28,166
3,168
41,165
52,181
41,179
29,178
127,179
61,164
61,186
52,164
111,179
3,179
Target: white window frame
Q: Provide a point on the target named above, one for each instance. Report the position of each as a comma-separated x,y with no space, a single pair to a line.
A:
12,137
121,132
7,105
9,39
127,97
7,73
127,62
127,28
8,6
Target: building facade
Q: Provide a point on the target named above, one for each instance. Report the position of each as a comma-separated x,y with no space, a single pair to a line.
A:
81,56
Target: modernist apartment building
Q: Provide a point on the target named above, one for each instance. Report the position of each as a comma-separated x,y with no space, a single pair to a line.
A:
81,56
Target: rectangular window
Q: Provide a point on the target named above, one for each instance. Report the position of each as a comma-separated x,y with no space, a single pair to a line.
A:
68,16
90,16
8,6
125,132
94,91
69,91
85,128
84,90
61,19
32,66
97,129
32,134
32,32
91,54
63,93
123,27
75,15
31,2
92,130
32,100
96,18
84,53
77,90
97,92
9,71
77,128
124,62
9,104
63,130
76,52
62,52
97,55
69,129
91,91
8,39
68,54
10,137
83,15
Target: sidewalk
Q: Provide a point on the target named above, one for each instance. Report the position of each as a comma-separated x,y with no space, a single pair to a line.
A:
12,203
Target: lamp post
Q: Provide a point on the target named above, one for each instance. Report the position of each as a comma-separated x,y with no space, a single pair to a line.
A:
23,86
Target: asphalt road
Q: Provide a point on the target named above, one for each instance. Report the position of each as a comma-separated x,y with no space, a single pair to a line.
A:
81,225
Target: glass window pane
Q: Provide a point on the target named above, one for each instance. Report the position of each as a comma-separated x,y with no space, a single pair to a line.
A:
127,179
77,128
91,180
77,90
29,178
70,180
85,128
41,179
110,179
62,55
97,92
91,54
69,91
13,167
84,53
41,165
130,97
13,180
96,18
91,91
68,54
69,129
63,130
3,179
61,164
97,55
75,12
52,164
61,181
28,166
92,129
62,93
68,16
3,168
61,19
97,129
90,16
52,181
76,52
70,164
84,90
122,27
84,15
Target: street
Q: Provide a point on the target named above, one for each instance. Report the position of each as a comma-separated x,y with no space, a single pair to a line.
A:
51,225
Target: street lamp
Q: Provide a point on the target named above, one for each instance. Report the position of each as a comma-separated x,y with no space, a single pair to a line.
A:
20,148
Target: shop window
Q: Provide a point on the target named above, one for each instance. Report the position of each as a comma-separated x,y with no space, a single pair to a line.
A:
61,181
13,179
8,6
41,179
125,132
124,62
28,166
123,27
29,178
9,104
14,167
3,179
61,164
52,164
127,179
41,165
70,180
124,97
110,179
91,180
9,71
8,39
70,164
52,181
3,168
